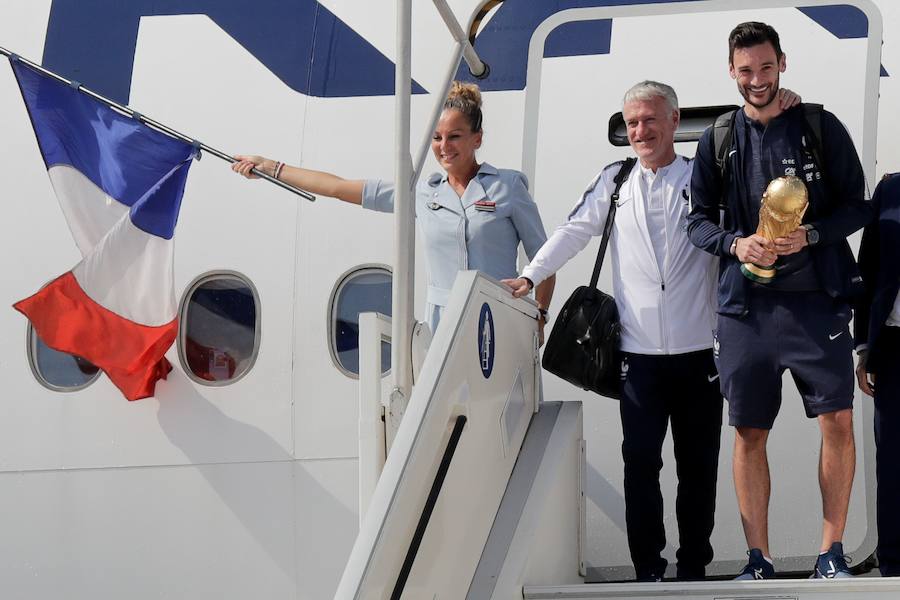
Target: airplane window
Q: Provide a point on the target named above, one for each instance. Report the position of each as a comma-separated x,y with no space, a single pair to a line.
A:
219,335
58,371
364,290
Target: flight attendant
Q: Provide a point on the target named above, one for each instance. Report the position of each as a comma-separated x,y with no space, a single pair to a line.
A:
472,216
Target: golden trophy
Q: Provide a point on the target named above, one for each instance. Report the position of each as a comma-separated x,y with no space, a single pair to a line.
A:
783,205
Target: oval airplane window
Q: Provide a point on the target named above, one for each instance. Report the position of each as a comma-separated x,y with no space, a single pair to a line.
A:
365,289
218,340
56,370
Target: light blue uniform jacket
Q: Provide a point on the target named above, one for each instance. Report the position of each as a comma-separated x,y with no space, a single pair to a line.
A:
460,236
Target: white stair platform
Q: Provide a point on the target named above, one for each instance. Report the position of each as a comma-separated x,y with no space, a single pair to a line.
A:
860,588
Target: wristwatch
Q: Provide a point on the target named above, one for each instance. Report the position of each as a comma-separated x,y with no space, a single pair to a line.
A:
812,234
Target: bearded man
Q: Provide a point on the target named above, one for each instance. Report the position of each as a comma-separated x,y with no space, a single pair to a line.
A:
799,320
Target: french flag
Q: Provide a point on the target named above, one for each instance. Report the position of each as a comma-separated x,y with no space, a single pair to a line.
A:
119,184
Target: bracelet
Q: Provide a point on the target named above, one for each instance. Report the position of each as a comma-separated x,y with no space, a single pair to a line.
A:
544,313
278,167
733,249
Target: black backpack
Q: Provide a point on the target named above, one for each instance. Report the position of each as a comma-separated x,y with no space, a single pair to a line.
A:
583,347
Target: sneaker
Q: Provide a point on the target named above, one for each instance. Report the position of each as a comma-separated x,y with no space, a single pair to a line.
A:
757,567
832,564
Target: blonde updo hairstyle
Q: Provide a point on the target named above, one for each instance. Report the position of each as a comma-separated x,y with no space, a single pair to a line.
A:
466,98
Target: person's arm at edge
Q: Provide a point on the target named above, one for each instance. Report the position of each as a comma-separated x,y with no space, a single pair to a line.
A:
318,182
530,228
869,265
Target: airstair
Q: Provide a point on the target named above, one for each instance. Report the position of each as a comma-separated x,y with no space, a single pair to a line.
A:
481,494
482,481
861,588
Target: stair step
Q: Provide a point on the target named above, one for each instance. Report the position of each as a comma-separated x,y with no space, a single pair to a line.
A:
860,588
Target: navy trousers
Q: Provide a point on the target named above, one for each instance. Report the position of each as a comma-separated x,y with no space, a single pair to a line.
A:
887,457
682,389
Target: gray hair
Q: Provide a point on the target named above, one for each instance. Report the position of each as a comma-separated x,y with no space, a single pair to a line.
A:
648,90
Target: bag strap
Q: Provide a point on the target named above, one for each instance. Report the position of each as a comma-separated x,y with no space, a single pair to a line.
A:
723,132
813,139
619,179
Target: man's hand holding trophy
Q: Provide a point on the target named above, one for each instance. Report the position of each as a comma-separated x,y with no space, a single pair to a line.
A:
779,233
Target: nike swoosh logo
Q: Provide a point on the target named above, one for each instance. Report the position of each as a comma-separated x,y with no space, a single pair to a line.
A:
835,336
711,378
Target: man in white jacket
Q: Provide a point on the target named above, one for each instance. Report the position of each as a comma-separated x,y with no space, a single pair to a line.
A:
664,291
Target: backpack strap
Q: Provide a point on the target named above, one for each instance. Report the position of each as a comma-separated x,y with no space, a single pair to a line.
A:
618,180
812,140
723,136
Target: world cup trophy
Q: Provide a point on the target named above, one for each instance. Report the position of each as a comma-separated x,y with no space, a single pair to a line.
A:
783,205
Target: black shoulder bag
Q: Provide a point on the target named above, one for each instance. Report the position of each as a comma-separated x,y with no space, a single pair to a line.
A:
583,347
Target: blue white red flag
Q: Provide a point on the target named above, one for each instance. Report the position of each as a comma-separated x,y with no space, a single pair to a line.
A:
119,184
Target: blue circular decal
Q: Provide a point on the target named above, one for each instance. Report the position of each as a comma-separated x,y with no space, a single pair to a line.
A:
486,340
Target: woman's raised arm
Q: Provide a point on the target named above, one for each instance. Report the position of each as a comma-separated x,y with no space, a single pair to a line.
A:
317,182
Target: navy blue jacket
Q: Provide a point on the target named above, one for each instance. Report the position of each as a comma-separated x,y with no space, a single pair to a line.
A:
837,203
879,260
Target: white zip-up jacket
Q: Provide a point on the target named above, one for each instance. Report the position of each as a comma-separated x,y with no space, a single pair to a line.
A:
663,310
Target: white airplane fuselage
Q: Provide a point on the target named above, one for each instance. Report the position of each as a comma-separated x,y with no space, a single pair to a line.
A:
247,487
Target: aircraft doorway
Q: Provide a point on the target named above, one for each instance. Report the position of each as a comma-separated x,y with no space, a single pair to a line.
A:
568,105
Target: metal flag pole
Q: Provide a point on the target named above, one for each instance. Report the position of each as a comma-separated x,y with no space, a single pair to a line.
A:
404,218
164,129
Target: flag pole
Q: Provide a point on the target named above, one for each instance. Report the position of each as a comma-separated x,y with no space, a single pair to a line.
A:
162,128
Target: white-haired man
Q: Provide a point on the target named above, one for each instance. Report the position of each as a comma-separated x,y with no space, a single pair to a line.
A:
665,294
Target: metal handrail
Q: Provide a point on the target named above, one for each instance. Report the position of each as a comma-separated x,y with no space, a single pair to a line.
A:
407,171
476,66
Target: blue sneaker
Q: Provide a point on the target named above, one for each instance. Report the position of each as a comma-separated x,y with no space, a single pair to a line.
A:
832,564
757,567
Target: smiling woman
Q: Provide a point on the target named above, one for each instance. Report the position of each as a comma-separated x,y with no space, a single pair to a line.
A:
472,216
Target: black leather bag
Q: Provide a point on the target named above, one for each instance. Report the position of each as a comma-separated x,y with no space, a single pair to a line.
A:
583,347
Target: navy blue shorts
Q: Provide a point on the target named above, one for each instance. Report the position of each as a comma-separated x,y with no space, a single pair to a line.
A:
806,333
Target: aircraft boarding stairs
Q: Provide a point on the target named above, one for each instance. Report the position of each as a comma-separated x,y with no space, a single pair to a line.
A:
481,495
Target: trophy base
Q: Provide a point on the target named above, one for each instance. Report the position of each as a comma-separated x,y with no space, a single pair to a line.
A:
758,274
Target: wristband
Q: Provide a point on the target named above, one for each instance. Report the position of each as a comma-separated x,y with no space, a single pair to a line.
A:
530,283
544,313
733,249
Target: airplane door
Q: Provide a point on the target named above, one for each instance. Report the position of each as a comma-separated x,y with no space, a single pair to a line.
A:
832,58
